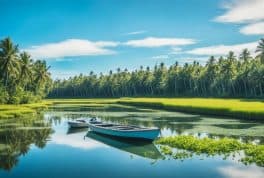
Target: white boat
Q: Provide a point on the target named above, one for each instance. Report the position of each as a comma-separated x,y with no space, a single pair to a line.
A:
79,123
130,131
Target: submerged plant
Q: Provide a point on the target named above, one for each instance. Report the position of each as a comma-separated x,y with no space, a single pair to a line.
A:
182,155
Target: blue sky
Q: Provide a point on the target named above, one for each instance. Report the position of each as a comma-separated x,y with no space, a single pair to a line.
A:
77,36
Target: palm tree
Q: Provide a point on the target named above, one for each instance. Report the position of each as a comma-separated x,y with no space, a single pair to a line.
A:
260,50
41,73
26,67
231,56
9,65
245,55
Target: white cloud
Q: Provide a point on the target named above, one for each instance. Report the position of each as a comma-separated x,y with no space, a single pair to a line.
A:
136,32
242,11
161,57
176,50
63,74
106,43
72,47
151,42
219,50
253,29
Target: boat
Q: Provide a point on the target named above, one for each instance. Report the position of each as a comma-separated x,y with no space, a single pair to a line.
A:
126,131
137,147
78,123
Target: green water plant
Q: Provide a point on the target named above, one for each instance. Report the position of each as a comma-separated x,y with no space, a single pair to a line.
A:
224,146
166,150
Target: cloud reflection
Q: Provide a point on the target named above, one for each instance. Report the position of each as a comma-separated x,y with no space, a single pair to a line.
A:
242,172
76,141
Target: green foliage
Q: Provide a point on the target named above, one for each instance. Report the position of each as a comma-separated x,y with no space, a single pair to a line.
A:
22,80
209,146
228,76
3,95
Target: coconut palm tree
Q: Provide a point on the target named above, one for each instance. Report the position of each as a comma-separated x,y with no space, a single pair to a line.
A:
25,68
41,73
9,65
245,55
260,50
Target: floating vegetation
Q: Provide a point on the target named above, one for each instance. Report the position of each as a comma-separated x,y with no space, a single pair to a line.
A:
211,147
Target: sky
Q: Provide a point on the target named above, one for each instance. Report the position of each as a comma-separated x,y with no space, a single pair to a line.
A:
79,36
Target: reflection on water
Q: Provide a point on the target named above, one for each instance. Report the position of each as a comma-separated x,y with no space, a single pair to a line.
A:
173,123
16,139
45,147
237,172
76,130
140,148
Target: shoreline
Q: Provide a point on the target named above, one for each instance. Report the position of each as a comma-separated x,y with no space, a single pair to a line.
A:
249,109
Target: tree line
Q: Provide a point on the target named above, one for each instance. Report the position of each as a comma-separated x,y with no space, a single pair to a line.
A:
227,76
22,79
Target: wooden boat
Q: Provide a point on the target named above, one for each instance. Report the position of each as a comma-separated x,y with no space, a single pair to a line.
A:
137,147
79,123
130,131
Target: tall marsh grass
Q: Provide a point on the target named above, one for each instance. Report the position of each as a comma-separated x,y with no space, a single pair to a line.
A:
239,108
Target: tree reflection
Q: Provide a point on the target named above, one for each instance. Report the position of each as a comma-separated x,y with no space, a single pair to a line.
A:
16,141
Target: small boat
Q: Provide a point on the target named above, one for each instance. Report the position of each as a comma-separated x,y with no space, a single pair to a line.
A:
79,123
130,131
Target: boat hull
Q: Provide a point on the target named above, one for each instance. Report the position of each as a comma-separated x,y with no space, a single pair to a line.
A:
148,134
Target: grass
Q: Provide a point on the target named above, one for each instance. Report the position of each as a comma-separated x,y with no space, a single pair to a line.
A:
11,111
83,101
224,146
238,108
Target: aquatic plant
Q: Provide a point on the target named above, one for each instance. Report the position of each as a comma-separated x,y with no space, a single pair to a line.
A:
181,155
223,146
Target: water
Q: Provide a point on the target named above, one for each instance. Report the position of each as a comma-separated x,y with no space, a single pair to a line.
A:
45,147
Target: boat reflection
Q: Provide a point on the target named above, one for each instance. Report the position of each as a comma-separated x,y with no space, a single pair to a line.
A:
76,130
137,147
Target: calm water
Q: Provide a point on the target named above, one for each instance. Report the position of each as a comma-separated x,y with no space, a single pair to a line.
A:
45,147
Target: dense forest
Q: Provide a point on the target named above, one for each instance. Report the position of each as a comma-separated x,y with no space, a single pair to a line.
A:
22,79
229,76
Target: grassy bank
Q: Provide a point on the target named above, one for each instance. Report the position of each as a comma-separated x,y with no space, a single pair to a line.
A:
238,108
10,111
224,146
